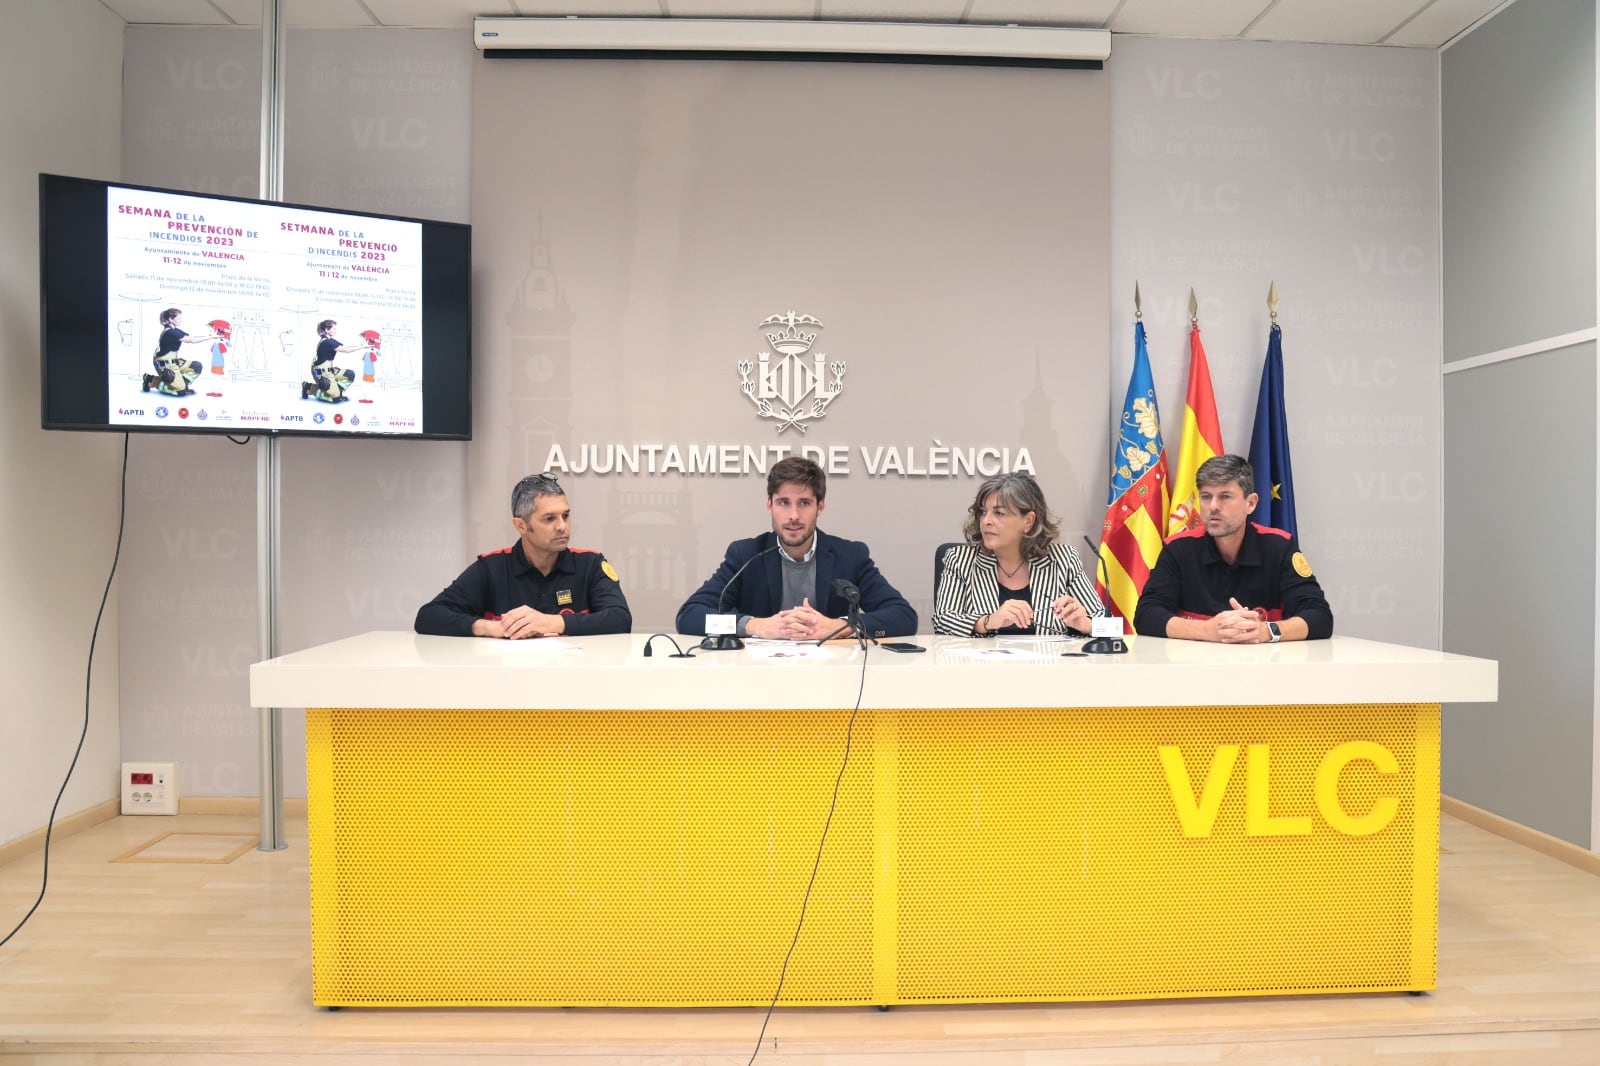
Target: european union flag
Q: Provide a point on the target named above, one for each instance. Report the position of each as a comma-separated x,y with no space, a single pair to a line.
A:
1269,445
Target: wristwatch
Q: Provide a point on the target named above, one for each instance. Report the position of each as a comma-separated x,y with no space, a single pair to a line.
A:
1277,634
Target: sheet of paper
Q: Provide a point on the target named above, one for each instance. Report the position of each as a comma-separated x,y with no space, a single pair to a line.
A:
531,646
784,649
1014,652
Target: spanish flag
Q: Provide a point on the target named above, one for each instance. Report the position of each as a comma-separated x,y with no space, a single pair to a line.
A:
1201,440
1137,504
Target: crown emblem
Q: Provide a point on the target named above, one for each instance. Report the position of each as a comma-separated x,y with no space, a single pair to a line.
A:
792,340
791,382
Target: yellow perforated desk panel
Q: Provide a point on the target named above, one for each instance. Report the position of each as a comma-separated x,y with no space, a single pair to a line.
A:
659,857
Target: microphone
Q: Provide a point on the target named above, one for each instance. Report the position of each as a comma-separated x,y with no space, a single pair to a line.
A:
853,616
729,640
1104,644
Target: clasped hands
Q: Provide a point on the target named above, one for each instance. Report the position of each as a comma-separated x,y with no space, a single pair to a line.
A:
520,623
1241,625
1019,613
804,622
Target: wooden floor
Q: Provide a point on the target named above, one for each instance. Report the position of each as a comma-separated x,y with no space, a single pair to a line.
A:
135,963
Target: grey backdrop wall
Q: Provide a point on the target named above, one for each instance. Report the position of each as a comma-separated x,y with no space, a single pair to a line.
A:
375,121
1237,164
636,221
1519,238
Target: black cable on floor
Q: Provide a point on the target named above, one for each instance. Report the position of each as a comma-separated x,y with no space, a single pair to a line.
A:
49,826
849,734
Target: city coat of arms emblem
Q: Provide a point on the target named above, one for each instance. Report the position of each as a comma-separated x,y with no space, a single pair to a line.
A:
793,383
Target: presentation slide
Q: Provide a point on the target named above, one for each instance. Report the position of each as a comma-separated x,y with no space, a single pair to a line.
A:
261,316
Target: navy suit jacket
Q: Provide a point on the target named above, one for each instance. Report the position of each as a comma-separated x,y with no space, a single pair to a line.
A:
759,590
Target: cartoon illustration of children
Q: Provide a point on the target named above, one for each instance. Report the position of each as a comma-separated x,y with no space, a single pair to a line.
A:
369,357
219,347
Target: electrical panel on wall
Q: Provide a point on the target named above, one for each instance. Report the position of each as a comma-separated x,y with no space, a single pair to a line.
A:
149,788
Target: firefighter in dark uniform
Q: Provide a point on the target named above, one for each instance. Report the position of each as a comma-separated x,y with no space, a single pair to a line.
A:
1233,582
538,587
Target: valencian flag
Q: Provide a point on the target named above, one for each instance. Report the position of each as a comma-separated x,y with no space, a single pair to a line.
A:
1269,444
1137,504
1201,440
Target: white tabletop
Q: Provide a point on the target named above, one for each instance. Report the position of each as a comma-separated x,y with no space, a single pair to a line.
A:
396,669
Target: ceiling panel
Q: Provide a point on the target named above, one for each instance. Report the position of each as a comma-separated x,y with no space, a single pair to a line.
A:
734,9
1441,21
596,8
1087,13
1410,23
243,12
1345,22
312,14
172,12
325,14
453,14
1186,18
892,10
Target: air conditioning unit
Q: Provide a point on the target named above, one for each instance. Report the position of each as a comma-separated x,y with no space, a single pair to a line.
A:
1057,46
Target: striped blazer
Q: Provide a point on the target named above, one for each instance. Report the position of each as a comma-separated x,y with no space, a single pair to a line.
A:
969,588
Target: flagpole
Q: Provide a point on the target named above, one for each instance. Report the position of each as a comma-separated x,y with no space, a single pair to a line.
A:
1269,439
1116,426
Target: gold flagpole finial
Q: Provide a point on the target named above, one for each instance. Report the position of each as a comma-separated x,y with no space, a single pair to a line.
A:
1272,300
1194,309
1138,307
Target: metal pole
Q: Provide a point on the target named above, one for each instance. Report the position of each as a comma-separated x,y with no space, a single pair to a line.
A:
268,479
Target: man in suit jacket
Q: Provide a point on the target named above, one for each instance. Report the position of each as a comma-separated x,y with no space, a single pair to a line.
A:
788,593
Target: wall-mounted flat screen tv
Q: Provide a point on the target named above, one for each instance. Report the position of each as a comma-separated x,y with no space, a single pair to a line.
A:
166,310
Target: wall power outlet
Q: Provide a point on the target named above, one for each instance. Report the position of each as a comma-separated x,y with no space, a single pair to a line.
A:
149,788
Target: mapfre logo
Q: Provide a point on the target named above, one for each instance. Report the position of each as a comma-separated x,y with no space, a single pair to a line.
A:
793,384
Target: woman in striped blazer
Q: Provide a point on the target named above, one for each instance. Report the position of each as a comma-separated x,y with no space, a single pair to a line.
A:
1012,576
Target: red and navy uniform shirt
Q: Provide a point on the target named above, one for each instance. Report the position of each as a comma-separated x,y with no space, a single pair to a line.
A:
581,585
1270,575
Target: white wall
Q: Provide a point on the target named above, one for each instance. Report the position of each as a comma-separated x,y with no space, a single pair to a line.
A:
375,120
60,112
1236,164
1518,173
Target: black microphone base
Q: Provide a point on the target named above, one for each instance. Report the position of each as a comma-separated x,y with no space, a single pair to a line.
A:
1105,646
722,642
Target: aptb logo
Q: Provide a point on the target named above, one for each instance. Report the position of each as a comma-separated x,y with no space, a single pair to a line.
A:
1197,814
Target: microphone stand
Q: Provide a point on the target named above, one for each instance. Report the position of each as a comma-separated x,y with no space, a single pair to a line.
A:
731,641
1104,645
853,619
847,625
